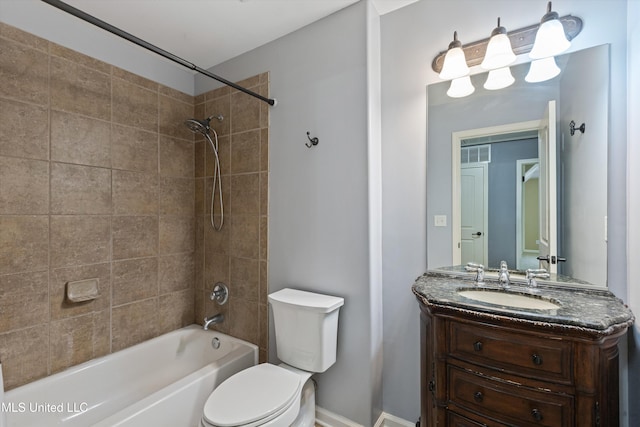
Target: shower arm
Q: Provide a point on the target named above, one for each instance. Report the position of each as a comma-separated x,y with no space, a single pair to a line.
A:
142,43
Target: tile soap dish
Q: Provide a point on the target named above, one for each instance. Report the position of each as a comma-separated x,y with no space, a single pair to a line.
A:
82,290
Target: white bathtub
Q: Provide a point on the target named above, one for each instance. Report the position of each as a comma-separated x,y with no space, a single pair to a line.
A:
161,382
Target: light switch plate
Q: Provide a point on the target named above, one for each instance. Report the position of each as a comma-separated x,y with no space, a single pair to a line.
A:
440,220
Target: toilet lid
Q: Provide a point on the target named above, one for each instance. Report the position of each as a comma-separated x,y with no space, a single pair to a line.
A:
251,395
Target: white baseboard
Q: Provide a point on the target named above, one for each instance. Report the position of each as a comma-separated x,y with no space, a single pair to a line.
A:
388,420
327,418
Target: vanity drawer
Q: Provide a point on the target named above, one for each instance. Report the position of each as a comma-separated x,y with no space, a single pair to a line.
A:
521,354
456,420
508,403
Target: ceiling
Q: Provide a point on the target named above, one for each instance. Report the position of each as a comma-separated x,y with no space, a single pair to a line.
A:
208,32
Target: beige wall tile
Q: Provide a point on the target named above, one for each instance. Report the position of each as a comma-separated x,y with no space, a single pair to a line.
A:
264,237
78,89
263,326
79,58
24,130
176,94
264,107
264,149
134,78
264,283
216,242
23,73
176,157
79,240
82,190
24,299
198,253
248,83
134,193
173,113
216,93
61,307
22,353
134,280
23,37
24,186
134,149
264,193
245,112
245,194
80,140
198,158
199,196
245,278
244,236
244,319
176,234
24,245
198,309
176,273
134,105
177,310
226,197
245,152
134,323
79,339
217,270
134,236
177,196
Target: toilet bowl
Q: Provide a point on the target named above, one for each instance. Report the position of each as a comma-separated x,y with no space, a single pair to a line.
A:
264,395
267,395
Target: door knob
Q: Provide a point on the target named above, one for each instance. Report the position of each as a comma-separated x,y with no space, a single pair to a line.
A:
478,233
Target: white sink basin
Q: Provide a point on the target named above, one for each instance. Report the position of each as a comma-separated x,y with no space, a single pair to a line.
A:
510,299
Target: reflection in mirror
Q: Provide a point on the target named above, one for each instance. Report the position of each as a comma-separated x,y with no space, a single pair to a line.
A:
509,194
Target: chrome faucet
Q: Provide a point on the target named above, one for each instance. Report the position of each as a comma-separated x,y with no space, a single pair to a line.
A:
479,270
212,320
503,276
533,274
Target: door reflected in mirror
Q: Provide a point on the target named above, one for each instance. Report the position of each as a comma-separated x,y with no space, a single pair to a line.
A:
513,196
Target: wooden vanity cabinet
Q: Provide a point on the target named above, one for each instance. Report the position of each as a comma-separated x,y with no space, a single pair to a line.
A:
487,370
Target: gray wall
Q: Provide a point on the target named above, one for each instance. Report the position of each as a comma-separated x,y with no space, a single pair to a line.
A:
502,198
411,37
319,202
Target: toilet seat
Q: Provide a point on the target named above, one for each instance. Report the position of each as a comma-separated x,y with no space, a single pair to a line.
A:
252,397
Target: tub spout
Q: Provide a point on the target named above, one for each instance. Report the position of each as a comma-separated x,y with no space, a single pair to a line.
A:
212,320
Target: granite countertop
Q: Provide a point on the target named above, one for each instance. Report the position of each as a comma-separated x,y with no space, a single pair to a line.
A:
597,310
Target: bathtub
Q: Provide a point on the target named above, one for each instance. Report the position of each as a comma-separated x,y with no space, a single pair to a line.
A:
161,382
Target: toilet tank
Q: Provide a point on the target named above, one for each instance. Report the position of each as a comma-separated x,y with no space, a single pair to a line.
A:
306,326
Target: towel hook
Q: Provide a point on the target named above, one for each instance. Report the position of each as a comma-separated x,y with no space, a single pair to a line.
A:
573,128
314,141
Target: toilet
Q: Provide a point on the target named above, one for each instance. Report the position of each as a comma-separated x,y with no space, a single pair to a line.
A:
267,395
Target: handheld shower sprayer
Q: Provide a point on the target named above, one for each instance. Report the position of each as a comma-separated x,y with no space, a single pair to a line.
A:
204,127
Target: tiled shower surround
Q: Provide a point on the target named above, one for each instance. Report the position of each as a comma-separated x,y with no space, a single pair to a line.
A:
100,179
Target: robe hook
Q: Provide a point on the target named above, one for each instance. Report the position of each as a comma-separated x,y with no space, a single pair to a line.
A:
314,141
573,128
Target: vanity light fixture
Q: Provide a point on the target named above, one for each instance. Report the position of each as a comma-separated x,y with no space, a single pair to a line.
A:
461,87
499,51
541,70
455,63
499,79
551,39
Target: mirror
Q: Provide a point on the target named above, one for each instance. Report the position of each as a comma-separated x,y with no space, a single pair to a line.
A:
491,191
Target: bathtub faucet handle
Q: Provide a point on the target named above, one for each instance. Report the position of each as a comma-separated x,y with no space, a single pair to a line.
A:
220,293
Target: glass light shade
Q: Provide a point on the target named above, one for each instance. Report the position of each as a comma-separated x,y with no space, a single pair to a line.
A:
499,79
551,40
455,64
542,69
499,53
461,87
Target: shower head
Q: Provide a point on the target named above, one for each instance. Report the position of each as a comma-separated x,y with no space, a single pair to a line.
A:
201,126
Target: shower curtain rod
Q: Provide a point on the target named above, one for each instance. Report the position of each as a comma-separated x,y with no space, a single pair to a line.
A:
133,39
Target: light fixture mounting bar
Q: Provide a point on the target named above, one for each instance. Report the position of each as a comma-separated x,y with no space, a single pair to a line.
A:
521,41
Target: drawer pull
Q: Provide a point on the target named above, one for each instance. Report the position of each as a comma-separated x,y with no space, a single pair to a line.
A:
477,346
478,396
537,415
537,359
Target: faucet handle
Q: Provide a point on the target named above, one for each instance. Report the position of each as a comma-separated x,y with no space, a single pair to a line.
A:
479,270
472,266
220,293
533,274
